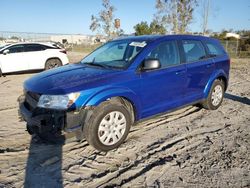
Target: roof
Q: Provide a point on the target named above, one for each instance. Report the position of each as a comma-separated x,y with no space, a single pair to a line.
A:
141,38
51,44
156,37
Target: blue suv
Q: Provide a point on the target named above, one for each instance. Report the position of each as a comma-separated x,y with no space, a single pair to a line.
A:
124,81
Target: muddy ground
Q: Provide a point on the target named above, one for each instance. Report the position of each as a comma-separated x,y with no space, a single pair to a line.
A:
192,147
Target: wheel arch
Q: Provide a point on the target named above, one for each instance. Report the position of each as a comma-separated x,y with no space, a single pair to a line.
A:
128,98
50,59
221,75
224,80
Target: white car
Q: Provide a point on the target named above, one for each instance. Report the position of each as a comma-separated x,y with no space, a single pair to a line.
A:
31,56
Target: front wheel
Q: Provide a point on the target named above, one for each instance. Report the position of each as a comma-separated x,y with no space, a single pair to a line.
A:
215,95
108,126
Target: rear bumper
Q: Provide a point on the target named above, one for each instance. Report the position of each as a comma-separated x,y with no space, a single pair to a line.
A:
41,120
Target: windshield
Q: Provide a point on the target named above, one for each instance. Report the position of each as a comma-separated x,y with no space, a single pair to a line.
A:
115,54
1,47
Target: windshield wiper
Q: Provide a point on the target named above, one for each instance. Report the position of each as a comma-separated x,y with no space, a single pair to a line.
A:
97,65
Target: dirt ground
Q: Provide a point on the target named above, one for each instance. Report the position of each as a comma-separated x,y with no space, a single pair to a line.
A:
192,147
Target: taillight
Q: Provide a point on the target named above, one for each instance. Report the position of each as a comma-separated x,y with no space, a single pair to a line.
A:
64,51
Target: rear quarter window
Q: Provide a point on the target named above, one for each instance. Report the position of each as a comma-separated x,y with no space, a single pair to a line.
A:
214,49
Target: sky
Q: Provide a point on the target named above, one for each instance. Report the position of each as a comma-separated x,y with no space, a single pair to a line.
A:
73,16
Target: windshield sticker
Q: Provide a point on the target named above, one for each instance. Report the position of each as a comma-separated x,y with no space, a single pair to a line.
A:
138,44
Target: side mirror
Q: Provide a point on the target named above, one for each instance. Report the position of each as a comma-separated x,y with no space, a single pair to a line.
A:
5,52
151,64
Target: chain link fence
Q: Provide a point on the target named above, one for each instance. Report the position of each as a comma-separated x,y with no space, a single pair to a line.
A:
87,43
234,49
68,40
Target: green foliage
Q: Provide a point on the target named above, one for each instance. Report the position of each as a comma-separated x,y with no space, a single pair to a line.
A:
144,29
245,40
156,28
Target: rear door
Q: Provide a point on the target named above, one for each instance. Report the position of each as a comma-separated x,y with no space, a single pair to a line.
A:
36,56
163,89
15,60
199,68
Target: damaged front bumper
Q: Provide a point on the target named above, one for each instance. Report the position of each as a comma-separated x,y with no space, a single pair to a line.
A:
41,120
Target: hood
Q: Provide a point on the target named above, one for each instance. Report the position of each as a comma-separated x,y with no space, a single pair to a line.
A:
69,78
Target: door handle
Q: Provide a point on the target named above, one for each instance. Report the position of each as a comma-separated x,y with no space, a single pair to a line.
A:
209,65
180,72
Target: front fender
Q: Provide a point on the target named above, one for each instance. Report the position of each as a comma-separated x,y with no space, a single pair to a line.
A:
213,77
107,93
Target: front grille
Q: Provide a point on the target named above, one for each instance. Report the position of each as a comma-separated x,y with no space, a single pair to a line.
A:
31,100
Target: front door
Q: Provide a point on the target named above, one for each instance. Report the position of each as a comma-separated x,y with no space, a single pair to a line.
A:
36,56
164,88
14,60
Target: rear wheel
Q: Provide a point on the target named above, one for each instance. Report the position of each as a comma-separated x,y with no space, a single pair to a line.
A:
108,126
215,96
52,63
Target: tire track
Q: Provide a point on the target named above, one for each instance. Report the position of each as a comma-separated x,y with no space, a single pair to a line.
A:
144,158
142,128
8,108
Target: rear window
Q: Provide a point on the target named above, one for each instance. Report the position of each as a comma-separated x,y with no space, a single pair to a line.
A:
194,50
214,49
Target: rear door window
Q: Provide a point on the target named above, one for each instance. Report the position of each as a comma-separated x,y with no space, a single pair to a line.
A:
194,50
33,47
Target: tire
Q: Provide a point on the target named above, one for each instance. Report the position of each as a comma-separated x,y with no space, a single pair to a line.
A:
1,74
52,63
215,96
102,131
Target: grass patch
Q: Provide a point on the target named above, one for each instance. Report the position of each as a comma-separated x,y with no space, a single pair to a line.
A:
84,48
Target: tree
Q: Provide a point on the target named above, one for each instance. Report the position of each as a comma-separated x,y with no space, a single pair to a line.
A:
156,28
175,15
205,15
95,25
144,29
105,19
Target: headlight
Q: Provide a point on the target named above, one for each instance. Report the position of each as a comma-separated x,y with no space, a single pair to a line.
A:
59,102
